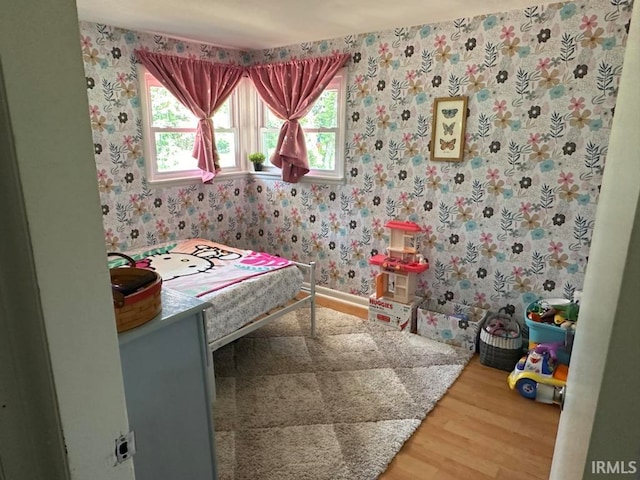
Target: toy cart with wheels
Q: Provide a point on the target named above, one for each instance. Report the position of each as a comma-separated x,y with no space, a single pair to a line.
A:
538,375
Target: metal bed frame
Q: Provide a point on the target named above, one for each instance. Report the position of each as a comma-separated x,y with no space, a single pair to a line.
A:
309,288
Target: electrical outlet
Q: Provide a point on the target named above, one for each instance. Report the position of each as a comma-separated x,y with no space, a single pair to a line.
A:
125,447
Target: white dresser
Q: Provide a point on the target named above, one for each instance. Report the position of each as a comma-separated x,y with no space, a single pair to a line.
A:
168,381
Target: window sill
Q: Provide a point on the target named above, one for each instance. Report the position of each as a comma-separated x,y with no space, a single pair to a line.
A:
195,179
273,175
266,174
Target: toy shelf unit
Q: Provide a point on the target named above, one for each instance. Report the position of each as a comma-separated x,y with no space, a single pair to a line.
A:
402,263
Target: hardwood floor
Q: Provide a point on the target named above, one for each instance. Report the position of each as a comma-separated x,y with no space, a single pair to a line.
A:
479,430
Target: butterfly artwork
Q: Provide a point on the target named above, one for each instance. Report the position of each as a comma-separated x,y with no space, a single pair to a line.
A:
447,144
449,112
448,129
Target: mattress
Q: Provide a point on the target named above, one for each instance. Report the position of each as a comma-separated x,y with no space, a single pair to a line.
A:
240,285
239,304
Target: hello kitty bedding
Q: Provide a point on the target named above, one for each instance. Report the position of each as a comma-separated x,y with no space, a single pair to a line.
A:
239,284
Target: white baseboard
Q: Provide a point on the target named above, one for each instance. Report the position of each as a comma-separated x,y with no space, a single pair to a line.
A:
343,297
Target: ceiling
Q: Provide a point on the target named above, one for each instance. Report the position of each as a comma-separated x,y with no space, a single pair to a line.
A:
260,24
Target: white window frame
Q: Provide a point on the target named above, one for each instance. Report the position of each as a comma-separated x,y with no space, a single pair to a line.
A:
335,176
247,128
155,177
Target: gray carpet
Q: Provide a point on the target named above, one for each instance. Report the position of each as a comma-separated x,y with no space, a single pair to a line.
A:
335,407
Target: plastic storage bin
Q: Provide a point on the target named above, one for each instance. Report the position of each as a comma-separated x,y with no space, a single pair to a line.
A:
549,333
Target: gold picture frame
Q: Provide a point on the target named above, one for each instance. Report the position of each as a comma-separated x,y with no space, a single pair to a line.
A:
448,128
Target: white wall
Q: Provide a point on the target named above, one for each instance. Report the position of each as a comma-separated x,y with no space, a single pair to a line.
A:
600,420
48,109
30,431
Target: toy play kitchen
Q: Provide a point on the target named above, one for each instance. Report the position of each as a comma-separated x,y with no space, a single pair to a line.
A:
401,265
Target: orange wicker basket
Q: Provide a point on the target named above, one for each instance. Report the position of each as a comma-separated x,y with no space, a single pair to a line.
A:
137,294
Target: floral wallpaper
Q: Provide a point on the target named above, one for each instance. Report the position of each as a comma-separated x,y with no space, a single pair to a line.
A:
135,213
510,223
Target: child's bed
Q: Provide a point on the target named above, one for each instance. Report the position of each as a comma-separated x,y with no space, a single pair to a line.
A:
246,289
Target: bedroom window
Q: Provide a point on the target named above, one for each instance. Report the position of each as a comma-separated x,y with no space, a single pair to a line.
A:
243,124
324,127
170,133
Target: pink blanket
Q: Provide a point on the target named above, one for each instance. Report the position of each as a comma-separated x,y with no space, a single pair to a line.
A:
198,266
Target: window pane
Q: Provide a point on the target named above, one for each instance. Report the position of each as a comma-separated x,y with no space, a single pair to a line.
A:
324,112
271,121
167,111
321,150
269,141
222,117
173,151
226,145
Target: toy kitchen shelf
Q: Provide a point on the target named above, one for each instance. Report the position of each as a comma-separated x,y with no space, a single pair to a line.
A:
402,263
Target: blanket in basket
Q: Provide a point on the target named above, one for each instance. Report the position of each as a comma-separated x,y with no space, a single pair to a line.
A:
198,266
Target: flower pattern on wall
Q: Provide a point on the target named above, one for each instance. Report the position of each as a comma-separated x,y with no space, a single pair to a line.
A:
134,212
509,224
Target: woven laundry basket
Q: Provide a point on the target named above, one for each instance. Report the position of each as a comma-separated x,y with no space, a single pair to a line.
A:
500,342
137,294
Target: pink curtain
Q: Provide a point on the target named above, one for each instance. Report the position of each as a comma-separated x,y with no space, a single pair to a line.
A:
290,89
202,87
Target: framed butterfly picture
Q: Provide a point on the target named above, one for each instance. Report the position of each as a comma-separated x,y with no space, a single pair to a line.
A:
448,128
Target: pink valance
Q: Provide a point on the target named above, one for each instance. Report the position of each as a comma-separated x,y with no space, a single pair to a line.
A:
290,90
202,87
